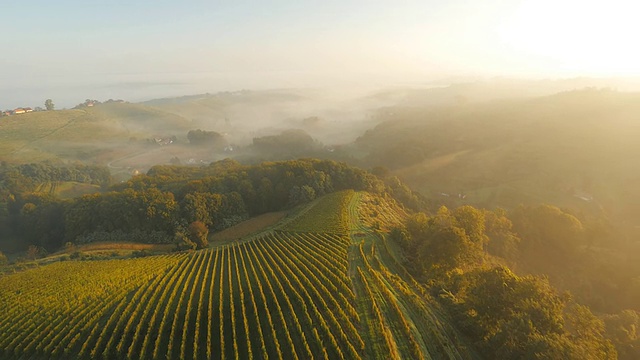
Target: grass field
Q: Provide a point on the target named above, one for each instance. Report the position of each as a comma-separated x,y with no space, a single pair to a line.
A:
67,189
327,215
247,228
96,135
324,292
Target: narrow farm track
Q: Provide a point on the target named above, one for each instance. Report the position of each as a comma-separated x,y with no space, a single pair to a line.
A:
400,320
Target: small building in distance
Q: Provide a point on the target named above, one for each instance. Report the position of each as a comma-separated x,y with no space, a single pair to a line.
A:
18,111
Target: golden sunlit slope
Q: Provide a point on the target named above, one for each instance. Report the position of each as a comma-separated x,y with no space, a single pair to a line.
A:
94,134
576,149
306,290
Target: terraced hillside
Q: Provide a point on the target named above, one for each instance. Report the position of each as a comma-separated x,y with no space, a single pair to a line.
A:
317,286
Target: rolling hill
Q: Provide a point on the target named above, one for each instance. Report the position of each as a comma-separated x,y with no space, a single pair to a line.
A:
575,149
308,288
95,135
132,137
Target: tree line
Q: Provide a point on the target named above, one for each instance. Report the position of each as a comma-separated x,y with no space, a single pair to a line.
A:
24,178
163,205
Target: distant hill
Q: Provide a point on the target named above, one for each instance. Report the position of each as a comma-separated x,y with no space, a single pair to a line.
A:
467,91
95,134
574,149
130,138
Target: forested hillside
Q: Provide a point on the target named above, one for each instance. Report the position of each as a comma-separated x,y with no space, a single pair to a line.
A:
159,207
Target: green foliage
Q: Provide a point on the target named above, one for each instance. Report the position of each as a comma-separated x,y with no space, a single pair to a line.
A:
588,334
508,316
446,241
293,142
183,241
522,317
624,330
472,221
279,296
35,252
328,215
404,194
203,207
209,138
3,259
220,195
380,212
148,210
301,195
48,104
400,236
136,236
198,233
502,241
547,228
20,179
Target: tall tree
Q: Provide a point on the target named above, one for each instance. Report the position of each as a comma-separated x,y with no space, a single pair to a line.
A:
198,233
48,104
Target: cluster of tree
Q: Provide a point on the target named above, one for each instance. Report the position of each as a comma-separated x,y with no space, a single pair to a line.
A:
87,103
268,186
508,316
171,199
209,138
622,329
522,317
290,143
24,178
400,191
579,253
91,102
49,105
455,239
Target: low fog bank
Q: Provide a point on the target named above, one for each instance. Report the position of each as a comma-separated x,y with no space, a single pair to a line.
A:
249,125
338,115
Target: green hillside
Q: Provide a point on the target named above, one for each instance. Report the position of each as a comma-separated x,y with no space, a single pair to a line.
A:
102,135
285,294
576,149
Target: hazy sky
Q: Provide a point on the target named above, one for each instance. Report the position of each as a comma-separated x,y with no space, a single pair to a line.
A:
49,46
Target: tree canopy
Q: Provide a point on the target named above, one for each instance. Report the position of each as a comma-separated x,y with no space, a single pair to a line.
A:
48,104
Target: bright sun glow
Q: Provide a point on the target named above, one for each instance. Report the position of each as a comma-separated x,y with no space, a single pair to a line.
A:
577,36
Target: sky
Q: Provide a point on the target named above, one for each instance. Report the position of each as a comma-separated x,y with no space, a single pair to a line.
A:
72,49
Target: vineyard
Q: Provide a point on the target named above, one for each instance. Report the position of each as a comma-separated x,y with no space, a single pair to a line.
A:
401,321
329,215
319,293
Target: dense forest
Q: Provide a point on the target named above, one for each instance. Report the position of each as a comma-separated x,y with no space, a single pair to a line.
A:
161,205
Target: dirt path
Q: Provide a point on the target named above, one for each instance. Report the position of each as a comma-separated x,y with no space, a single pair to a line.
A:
67,124
395,290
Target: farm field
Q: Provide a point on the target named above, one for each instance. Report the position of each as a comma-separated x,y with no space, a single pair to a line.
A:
247,227
323,285
97,135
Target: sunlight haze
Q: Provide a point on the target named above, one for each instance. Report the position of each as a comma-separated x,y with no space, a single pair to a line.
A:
112,46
